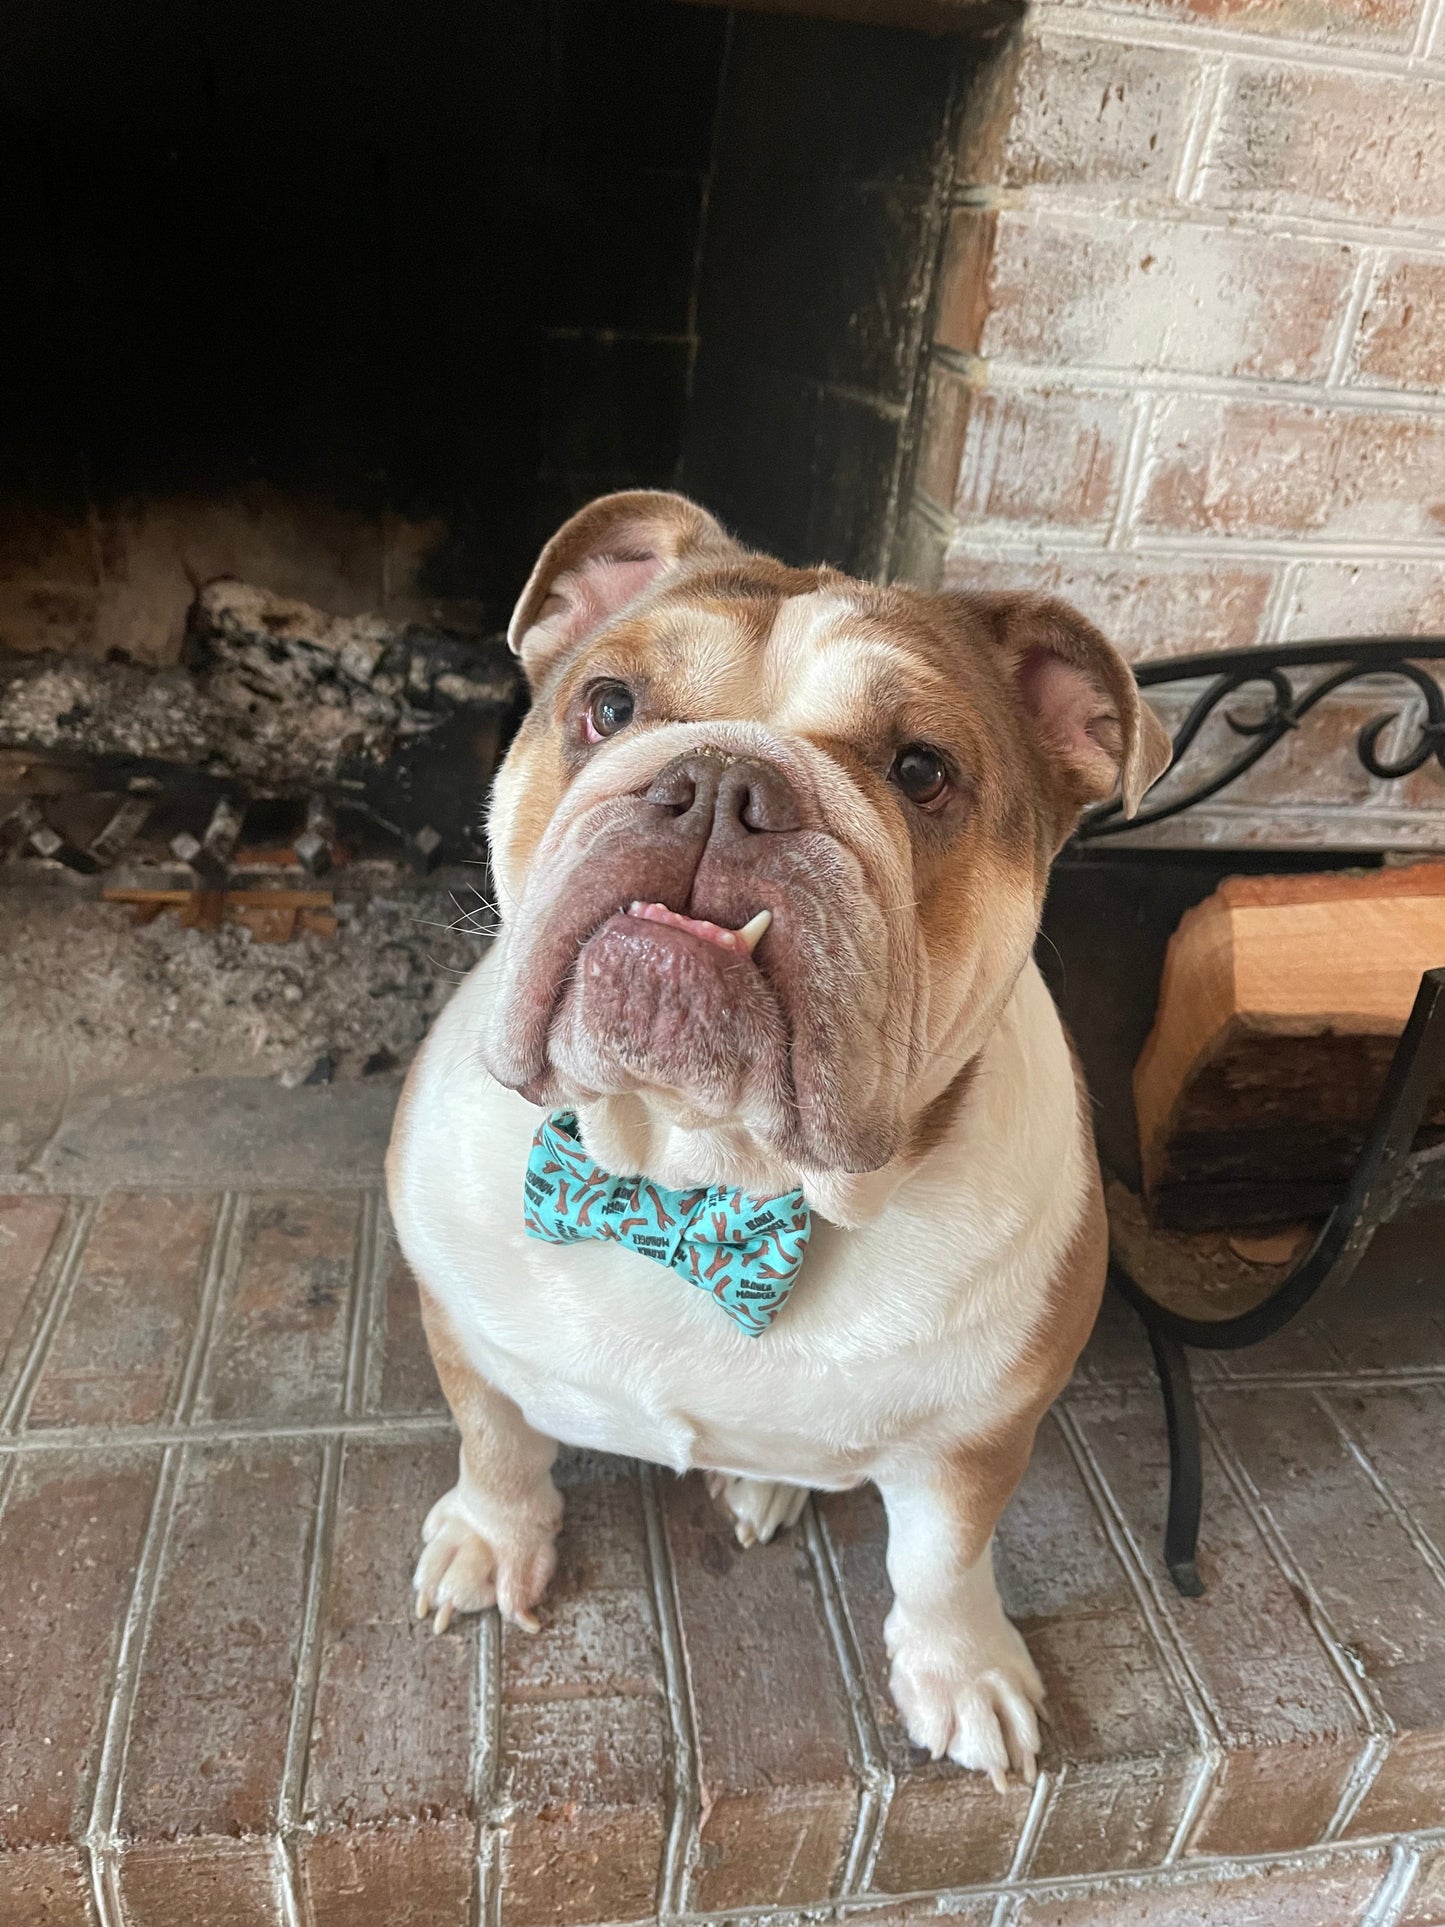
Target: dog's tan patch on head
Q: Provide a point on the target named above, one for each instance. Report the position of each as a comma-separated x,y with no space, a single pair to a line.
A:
715,641
893,667
703,657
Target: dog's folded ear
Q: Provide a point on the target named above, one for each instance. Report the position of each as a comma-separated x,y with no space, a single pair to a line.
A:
606,556
1080,699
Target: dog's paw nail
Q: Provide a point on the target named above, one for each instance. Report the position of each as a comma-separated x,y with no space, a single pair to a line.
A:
443,1618
999,1779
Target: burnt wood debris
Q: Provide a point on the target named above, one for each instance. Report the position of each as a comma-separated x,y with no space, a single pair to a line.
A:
272,699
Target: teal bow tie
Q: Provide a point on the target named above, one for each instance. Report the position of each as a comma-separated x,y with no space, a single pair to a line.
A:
746,1251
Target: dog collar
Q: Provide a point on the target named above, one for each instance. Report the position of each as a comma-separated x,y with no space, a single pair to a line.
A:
747,1252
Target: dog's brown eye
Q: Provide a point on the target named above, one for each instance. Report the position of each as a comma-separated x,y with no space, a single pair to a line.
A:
608,710
922,776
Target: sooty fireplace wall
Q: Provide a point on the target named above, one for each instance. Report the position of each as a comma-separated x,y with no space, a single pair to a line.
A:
357,301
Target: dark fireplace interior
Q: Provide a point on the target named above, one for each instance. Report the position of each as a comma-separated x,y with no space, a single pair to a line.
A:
358,302
352,304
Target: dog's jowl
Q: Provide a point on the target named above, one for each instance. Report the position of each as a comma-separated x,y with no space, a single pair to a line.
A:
754,1144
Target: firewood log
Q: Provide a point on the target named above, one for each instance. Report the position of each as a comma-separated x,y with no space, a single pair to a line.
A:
1281,1003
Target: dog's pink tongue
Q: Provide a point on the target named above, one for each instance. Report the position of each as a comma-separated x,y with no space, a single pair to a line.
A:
734,940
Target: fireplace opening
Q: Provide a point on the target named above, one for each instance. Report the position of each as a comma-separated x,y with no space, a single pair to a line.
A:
321,321
358,308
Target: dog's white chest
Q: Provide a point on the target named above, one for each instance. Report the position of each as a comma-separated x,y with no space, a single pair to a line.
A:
896,1334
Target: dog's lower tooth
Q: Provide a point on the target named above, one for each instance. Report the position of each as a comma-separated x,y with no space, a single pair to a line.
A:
752,931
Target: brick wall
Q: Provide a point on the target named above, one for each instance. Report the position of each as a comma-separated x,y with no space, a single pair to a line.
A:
1189,348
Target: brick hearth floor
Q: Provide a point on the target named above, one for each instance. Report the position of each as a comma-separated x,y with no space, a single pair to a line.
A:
221,1432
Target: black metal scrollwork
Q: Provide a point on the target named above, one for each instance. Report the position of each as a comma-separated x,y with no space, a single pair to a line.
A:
1393,1171
1287,704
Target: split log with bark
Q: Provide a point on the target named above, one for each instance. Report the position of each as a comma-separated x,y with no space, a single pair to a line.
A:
1280,1007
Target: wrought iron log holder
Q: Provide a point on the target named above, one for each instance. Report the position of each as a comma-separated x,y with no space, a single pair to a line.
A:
1392,1175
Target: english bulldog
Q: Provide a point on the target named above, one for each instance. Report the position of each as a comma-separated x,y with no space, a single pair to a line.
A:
770,852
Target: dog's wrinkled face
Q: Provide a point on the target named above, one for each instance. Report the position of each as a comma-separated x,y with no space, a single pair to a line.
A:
885,773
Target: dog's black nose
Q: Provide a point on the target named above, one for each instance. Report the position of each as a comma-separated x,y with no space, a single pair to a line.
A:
725,796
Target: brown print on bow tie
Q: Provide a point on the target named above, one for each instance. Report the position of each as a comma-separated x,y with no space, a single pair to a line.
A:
665,1219
789,1268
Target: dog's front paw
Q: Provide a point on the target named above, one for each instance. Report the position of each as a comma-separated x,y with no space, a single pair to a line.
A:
469,1563
969,1695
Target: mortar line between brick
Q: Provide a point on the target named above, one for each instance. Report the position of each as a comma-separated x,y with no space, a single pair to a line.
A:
1371,827
875,1777
1045,1794
485,1903
1358,1781
1198,1871
365,1260
1177,1663
945,1900
1031,539
1273,621
1393,1891
375,1343
1068,206
485,1908
682,1828
1345,1380
102,1886
229,1258
1199,144
81,1438
1425,28
1135,476
289,1886
1432,1555
149,1183
291,1793
1080,377
1195,37
1361,286
105,1802
1378,1723
65,1255
43,1288
221,1259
